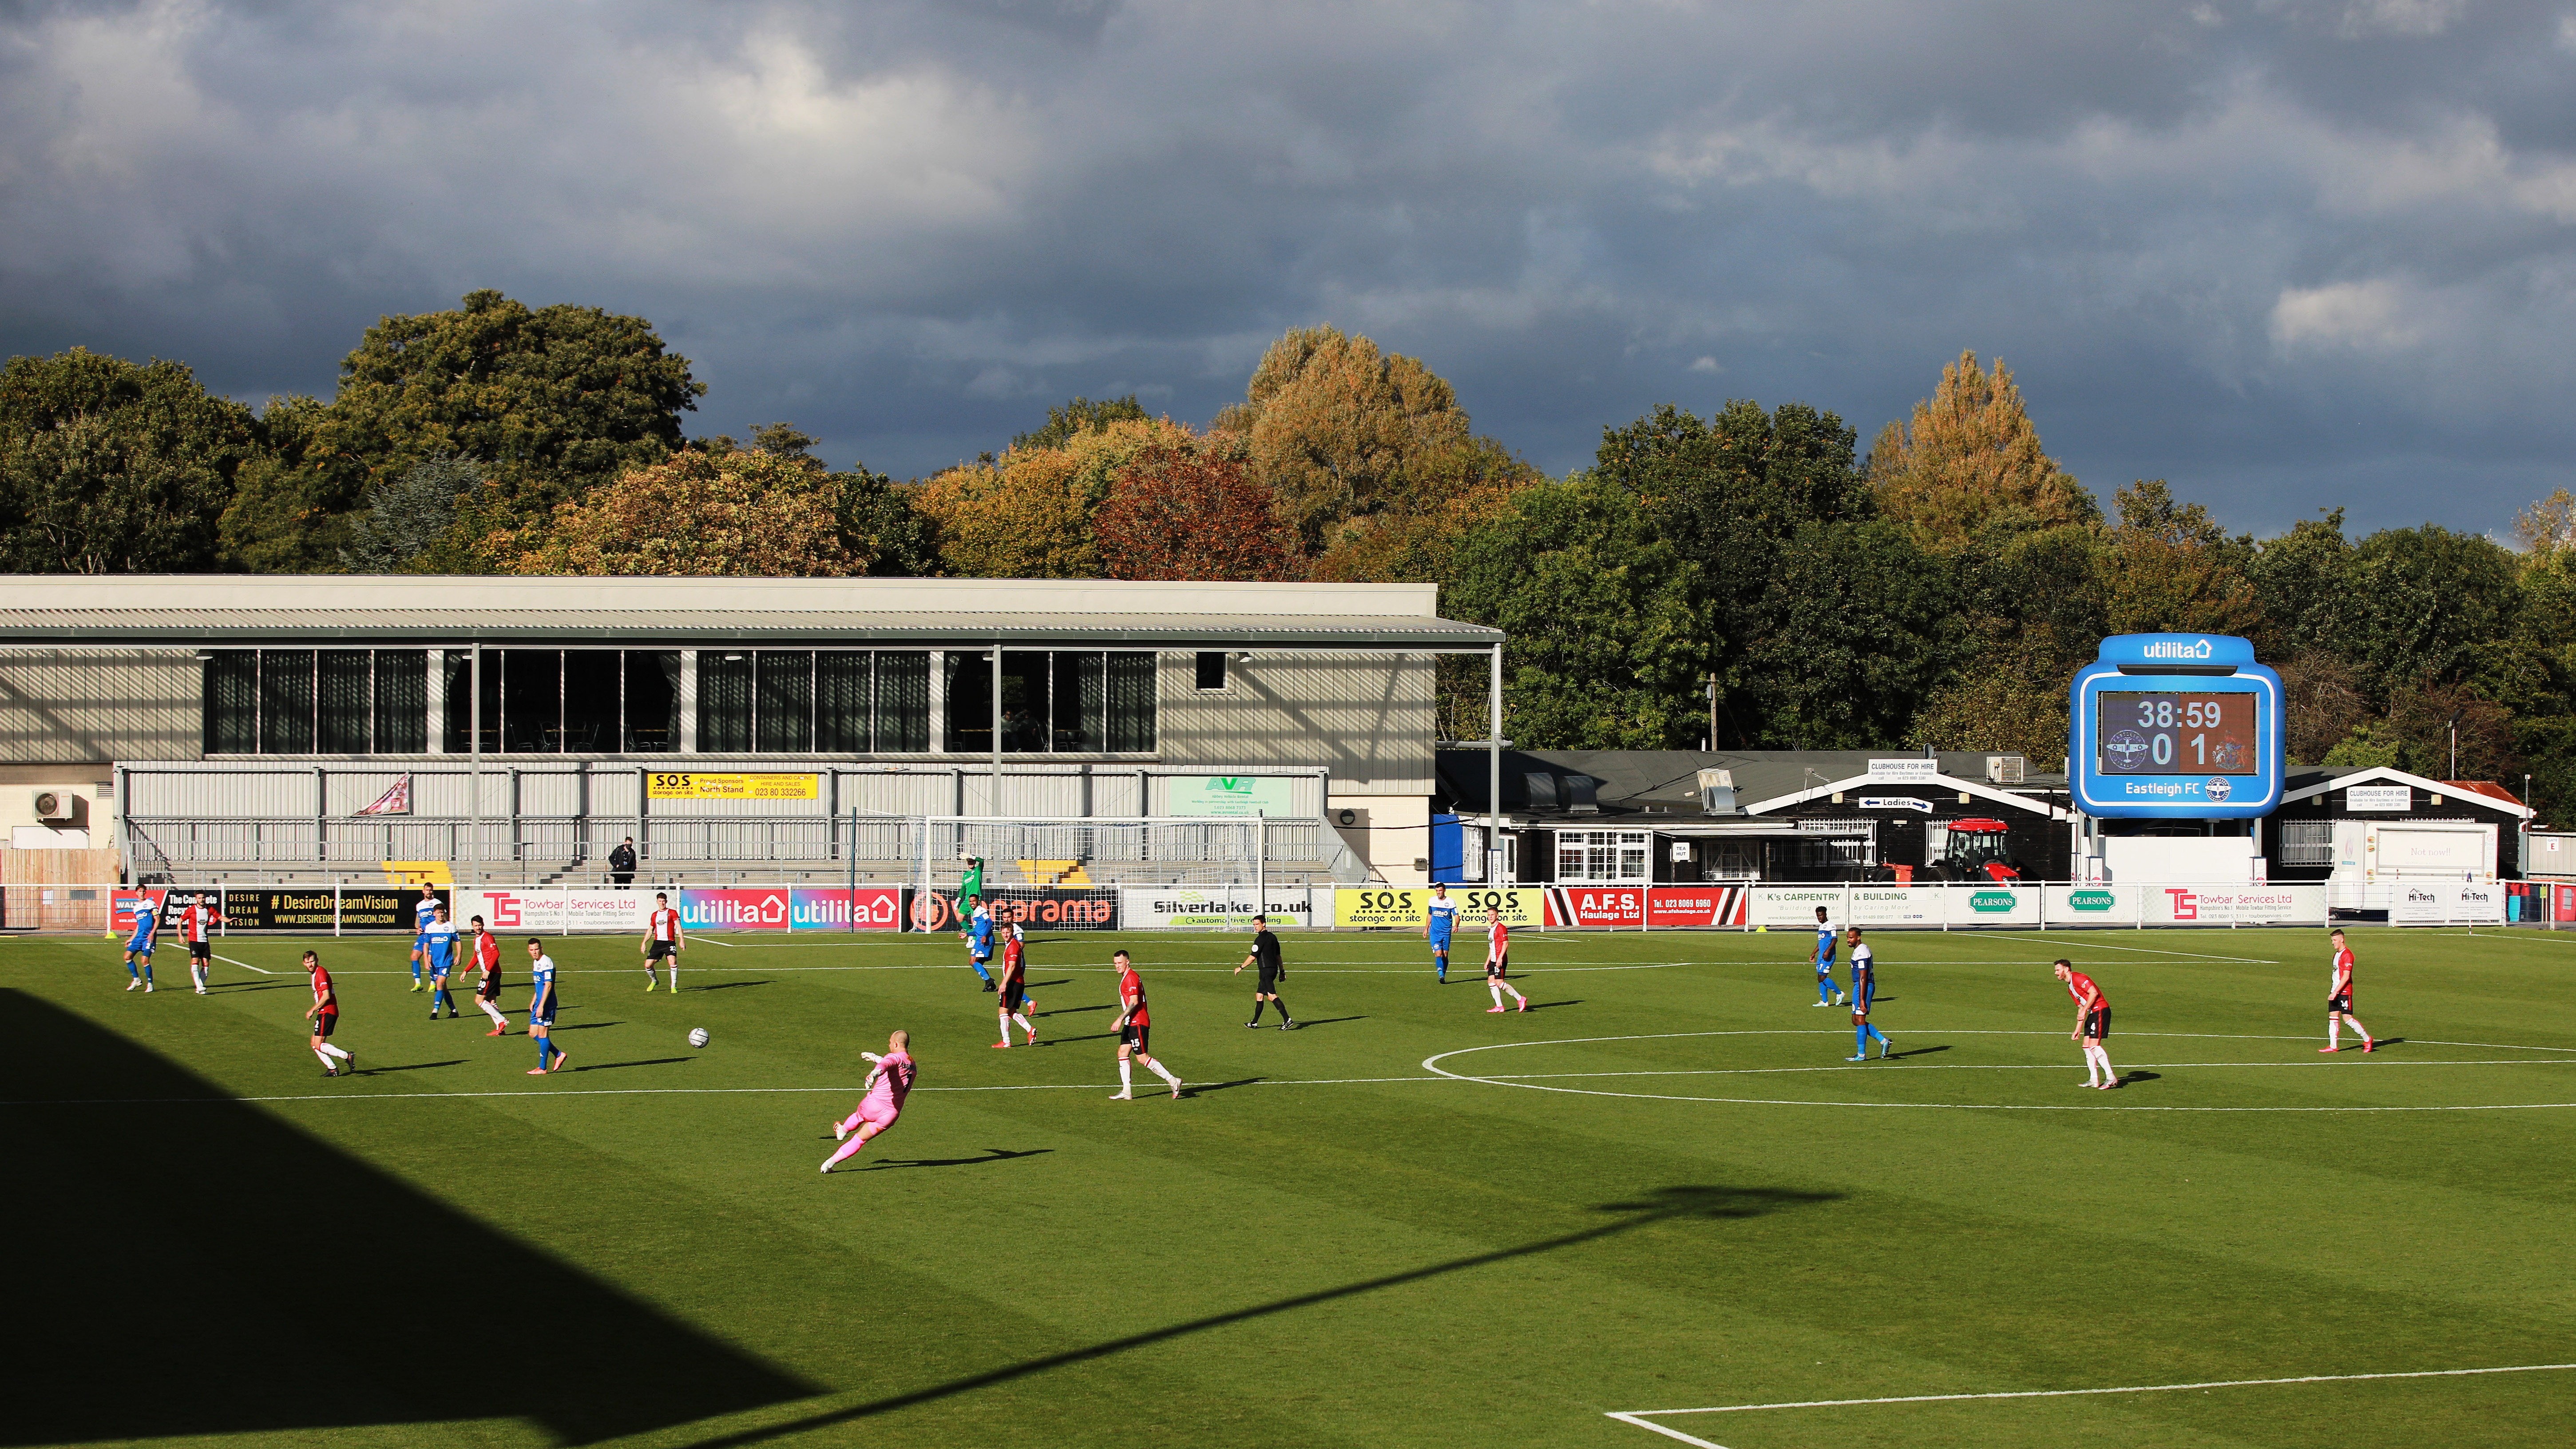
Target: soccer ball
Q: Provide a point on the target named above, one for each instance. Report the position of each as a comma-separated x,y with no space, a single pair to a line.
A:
697,1036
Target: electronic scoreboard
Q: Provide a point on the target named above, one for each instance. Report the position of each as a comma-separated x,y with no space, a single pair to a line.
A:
2176,726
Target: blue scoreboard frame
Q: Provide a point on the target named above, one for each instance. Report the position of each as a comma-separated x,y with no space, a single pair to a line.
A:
2175,746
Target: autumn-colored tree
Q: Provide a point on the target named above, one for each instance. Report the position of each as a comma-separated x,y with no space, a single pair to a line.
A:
1334,424
1444,495
1174,513
2320,705
1970,459
1029,513
741,513
2548,525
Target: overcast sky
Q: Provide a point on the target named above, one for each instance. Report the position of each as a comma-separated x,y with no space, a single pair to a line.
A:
2288,254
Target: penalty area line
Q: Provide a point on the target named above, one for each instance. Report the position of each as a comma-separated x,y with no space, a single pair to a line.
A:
1642,1418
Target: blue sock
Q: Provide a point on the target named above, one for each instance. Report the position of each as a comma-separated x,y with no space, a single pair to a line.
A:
980,971
1825,990
545,1050
147,973
134,971
1875,1032
1860,1039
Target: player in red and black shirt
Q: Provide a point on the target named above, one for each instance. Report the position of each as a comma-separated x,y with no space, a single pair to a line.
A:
2092,1024
1135,1028
1014,985
662,940
197,922
325,1014
2339,1003
487,992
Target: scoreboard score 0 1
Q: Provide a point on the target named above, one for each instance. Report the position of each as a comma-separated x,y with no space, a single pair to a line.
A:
2176,726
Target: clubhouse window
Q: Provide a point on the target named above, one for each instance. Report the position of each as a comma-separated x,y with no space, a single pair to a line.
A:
1062,701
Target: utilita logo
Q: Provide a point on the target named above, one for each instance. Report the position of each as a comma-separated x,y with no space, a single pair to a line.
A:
2171,649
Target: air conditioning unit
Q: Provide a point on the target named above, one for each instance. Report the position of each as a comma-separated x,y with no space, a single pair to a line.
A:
54,805
2006,769
1717,792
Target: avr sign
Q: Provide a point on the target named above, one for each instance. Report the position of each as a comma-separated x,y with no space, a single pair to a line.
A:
2176,726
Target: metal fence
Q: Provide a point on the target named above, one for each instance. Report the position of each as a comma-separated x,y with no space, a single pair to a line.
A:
573,850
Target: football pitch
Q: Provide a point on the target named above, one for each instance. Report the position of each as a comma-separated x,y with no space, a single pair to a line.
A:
1659,1207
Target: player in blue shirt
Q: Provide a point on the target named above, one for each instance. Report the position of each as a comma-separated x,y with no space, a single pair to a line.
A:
138,948
438,948
1826,995
423,914
978,937
542,1005
1439,927
1864,990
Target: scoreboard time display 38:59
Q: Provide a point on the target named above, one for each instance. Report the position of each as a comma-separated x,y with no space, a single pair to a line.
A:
2209,733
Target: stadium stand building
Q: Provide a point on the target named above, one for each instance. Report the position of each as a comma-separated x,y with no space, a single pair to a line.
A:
517,729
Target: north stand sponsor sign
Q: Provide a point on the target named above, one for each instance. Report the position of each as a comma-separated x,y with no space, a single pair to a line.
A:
1201,908
1780,906
303,909
556,913
2434,902
2225,905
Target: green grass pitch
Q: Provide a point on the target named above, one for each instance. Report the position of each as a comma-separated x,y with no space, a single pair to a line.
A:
1409,1223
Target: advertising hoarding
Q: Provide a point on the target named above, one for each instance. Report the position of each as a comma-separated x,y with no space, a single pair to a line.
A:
1610,906
1186,908
1703,905
1401,907
1235,797
730,785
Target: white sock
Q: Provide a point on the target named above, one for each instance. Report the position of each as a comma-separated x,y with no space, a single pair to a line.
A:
1126,1082
2334,1031
335,1051
2365,1031
493,1011
1514,990
675,978
1494,989
326,1061
1024,1026
1157,1069
2103,1055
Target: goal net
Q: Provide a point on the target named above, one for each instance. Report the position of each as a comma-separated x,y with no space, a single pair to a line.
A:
1073,867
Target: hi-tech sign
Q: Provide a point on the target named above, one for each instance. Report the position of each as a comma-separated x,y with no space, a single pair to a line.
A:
2176,726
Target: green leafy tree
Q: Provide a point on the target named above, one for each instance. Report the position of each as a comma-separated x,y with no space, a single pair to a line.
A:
1605,646
2301,589
1081,415
1730,493
2171,568
2036,605
2424,605
1859,626
113,467
550,402
408,517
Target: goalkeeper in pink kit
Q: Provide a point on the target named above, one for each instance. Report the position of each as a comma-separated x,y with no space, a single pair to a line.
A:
889,1081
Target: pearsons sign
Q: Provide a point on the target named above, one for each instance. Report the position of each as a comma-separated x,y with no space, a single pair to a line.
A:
2175,726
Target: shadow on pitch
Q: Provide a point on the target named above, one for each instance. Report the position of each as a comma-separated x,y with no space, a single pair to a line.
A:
654,1062
1552,1005
1077,1010
589,1026
730,985
1327,1021
1041,985
991,1154
1203,1088
407,1067
278,1334
1676,1205
1913,1052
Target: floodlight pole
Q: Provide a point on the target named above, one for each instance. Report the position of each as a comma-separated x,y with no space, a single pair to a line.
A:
996,801
474,754
1494,777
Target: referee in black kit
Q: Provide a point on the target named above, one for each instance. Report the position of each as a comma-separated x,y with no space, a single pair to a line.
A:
1265,954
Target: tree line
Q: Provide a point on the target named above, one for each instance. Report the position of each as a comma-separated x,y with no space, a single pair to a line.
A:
1753,569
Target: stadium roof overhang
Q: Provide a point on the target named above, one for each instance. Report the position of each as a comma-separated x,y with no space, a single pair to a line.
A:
1975,789
381,628
451,611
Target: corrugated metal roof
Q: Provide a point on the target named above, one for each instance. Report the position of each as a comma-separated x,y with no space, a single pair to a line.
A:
639,628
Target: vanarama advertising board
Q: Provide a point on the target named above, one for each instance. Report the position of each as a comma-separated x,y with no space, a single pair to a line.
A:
1402,907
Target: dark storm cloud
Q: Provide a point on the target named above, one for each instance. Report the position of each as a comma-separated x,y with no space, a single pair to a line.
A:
2287,254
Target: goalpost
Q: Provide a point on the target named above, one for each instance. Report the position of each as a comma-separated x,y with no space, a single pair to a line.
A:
1073,870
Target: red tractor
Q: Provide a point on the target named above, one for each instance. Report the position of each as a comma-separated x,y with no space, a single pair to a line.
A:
1978,849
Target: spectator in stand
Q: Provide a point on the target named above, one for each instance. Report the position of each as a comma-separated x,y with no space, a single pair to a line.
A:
621,863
